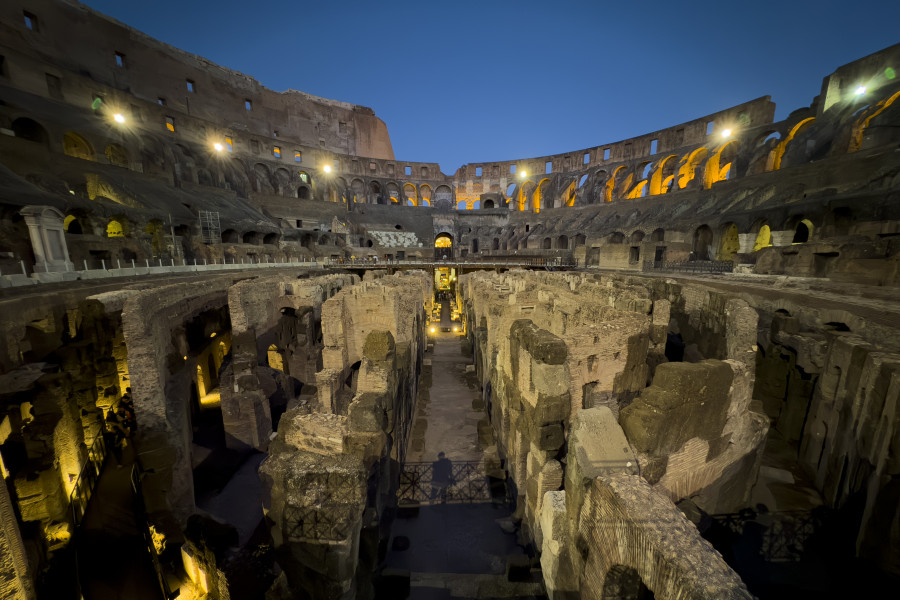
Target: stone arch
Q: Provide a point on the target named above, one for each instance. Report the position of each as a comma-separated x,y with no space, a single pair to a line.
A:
624,583
780,149
252,237
610,185
443,193
282,180
537,199
703,243
488,204
720,165
688,169
803,232
358,189
117,155
637,237
262,179
729,242
409,193
392,190
580,240
616,237
425,194
658,235
663,176
496,244
31,130
562,242
304,192
862,123
526,193
117,227
76,146
547,243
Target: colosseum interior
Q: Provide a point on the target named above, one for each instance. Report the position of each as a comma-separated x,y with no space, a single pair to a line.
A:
247,353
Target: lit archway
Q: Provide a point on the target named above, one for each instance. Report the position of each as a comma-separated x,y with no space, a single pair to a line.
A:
688,169
76,146
781,148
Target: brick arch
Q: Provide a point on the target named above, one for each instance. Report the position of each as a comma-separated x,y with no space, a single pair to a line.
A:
629,529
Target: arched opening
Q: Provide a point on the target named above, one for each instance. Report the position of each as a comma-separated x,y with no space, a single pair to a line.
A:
274,358
28,129
610,185
251,237
580,240
409,191
703,239
72,225
474,245
76,146
116,228
117,155
637,237
510,190
625,583
304,193
860,128
461,205
230,236
496,244
270,238
658,235
539,193
763,238
488,204
443,194
730,243
688,169
546,244
443,246
425,194
582,181
662,178
803,232
720,165
617,237
562,242
780,149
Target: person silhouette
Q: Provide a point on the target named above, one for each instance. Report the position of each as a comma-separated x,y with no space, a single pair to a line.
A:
441,477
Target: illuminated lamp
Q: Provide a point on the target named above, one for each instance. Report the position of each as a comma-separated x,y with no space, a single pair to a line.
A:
726,133
327,168
860,90
219,147
119,118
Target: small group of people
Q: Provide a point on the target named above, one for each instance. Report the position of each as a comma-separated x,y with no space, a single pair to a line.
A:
118,426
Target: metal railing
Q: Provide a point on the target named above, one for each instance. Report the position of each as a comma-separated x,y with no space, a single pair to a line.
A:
691,266
782,535
452,262
87,480
467,484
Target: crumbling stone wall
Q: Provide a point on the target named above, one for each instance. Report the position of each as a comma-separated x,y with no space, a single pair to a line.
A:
279,312
333,470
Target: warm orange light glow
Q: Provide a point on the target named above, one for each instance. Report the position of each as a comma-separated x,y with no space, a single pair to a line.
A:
726,133
219,147
119,118
327,168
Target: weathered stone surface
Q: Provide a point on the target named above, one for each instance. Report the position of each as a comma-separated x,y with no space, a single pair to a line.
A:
686,400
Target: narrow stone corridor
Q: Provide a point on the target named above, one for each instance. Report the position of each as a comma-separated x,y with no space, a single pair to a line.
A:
458,550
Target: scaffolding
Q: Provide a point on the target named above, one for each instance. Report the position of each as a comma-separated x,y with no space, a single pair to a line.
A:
210,230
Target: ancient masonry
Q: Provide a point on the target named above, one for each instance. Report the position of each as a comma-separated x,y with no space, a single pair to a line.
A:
698,325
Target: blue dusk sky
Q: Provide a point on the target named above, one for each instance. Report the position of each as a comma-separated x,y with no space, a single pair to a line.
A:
462,81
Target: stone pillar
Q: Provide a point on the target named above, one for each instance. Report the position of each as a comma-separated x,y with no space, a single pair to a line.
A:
45,226
782,238
746,241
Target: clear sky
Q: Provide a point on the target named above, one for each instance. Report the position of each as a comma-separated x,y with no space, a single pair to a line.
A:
463,81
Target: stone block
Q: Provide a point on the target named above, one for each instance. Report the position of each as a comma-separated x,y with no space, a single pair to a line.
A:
686,400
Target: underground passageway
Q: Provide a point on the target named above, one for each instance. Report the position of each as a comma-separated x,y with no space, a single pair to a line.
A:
454,541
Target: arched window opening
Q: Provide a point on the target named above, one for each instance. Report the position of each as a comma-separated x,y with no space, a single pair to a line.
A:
658,235
115,229
28,129
488,204
617,238
546,244
562,242
76,146
803,232
303,193
230,236
496,244
117,155
580,240
72,225
637,237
